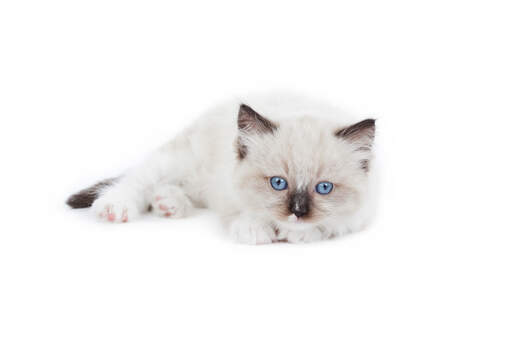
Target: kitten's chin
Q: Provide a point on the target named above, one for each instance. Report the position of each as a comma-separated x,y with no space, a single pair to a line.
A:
295,224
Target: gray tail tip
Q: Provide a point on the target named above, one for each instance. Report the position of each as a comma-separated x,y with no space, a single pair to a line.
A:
86,197
81,200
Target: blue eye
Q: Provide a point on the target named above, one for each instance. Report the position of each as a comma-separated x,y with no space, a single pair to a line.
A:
324,187
278,183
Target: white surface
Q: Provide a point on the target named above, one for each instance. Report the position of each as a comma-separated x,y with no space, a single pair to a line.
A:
86,89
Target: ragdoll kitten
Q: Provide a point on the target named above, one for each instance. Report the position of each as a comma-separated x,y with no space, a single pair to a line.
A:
275,168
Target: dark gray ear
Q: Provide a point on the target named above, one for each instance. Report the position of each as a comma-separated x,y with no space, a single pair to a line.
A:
249,121
361,133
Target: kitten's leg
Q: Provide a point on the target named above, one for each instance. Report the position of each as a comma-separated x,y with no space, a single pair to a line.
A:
126,199
314,234
119,203
170,201
249,229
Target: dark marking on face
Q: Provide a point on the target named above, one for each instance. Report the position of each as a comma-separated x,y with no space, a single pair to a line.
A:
365,164
299,203
241,149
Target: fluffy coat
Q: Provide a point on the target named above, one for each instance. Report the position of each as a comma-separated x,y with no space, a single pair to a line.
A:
226,159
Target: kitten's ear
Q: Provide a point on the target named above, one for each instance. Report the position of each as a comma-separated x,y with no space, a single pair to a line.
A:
250,121
361,133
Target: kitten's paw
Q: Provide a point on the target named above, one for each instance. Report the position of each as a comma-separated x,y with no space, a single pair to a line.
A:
307,236
171,204
254,232
115,210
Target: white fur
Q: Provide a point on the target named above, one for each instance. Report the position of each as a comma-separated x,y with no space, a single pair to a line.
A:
199,167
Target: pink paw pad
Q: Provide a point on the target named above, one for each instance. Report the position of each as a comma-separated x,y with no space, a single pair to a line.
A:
166,210
111,217
109,214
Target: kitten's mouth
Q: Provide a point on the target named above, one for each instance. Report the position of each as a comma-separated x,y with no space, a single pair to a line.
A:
293,222
292,218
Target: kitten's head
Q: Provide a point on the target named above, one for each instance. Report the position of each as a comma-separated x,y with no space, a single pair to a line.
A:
304,170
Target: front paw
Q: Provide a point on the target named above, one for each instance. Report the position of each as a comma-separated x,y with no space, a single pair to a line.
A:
252,231
171,204
115,210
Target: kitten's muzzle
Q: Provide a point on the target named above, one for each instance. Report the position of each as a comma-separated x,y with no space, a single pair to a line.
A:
298,203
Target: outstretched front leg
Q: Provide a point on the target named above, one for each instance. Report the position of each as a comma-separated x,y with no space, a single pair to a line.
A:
119,203
145,186
309,235
251,229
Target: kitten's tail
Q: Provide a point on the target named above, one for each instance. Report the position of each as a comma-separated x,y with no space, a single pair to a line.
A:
86,197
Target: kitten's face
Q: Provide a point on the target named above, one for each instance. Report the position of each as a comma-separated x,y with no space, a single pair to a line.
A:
303,171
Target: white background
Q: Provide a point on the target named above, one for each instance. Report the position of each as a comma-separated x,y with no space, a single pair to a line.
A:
87,88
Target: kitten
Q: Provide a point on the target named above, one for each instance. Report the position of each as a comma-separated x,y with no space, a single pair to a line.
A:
275,168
